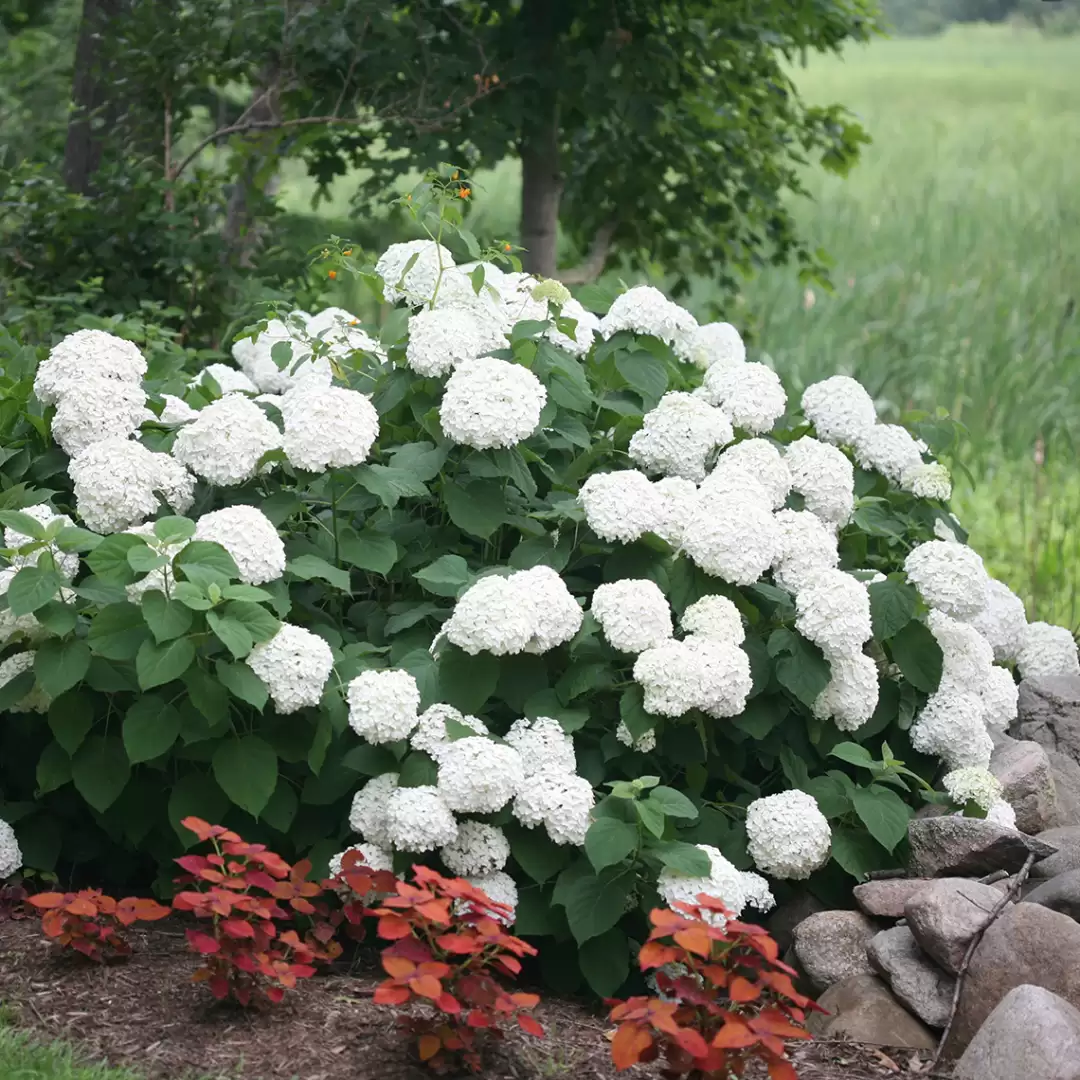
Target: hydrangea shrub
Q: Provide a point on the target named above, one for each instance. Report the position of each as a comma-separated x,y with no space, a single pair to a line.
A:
562,595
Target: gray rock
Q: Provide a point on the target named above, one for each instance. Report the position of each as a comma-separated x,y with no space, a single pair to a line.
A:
783,919
946,915
1026,944
863,1009
1061,893
1032,1033
831,946
1024,771
967,847
885,899
1049,714
1066,839
922,986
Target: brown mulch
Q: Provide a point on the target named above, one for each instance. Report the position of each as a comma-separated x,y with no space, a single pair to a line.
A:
148,1015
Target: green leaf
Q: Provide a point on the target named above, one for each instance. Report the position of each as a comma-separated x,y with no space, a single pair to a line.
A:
477,507
71,716
109,559
280,811
370,760
32,588
167,619
609,841
605,962
831,797
99,592
60,665
389,484
75,539
683,858
234,635
57,617
446,576
22,523
856,852
195,795
652,817
417,770
535,852
892,606
253,593
595,903
53,768
190,595
644,372
918,655
308,567
174,530
242,683
151,726
632,712
854,754
369,550
247,770
207,695
143,559
801,667
673,803
467,681
117,631
422,460
207,556
156,665
100,770
260,623
884,814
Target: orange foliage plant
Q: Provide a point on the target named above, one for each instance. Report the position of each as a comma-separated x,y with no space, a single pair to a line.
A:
91,922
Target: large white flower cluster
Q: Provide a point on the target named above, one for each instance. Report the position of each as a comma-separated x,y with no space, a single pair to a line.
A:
478,775
952,726
979,786
1003,622
1047,650
479,849
737,889
294,665
418,819
695,673
10,853
560,801
327,427
375,857
441,338
889,449
851,695
824,477
716,618
543,745
383,705
490,403
751,395
249,536
367,816
679,435
257,360
85,355
228,379
98,408
833,611
430,734
412,270
788,835
758,459
950,576
225,443
716,344
633,614
840,409
646,310
807,546
732,537
620,505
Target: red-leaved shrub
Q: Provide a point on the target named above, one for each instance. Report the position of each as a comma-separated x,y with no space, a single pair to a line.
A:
725,998
448,953
246,955
90,922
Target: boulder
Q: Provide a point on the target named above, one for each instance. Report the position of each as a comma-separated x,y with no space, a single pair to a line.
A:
885,899
922,986
1061,893
1066,839
967,847
863,1009
1026,944
1031,1033
1024,771
1049,714
946,915
783,919
831,946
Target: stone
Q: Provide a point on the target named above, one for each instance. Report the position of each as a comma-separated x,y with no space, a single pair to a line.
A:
1028,784
885,899
967,847
831,946
783,919
1049,714
946,915
862,1008
1031,1033
1066,839
919,983
1026,944
1060,893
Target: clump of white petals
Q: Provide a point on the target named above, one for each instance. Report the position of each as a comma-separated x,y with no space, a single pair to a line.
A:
383,705
375,858
367,816
256,356
716,344
620,506
341,331
478,849
249,536
293,665
557,617
761,460
889,449
1000,697
679,435
732,538
418,819
833,611
229,379
10,853
1047,650
1003,814
633,614
83,355
645,744
967,657
491,617
586,327
224,445
751,395
714,617
951,726
646,310
840,409
67,562
430,734
1002,622
34,701
724,882
560,801
478,775
491,403
824,477
677,498
788,836
176,410
441,338
98,408
697,673
851,696
928,481
328,427
807,547
543,745
970,784
950,577
417,285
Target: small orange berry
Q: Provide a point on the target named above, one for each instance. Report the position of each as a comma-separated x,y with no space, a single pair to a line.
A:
464,193
347,251
332,275
506,247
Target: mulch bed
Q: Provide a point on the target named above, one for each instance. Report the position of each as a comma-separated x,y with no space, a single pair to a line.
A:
146,1014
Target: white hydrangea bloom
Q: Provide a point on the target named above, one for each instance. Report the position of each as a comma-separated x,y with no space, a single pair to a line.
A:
1000,697
341,331
491,403
478,775
15,626
518,302
807,546
557,616
966,655
646,310
758,894
646,744
585,331
851,696
621,506
760,459
679,435
294,666
633,614
714,617
367,816
950,577
1047,650
788,836
560,801
328,427
1001,813
824,477
176,410
229,379
99,408
10,853
678,497
418,819
498,887
833,611
456,290
375,858
929,481
430,734
383,705
970,784
227,440
751,394
888,449
479,849
84,355
943,530
249,536
36,700
67,562
716,344
1002,622
115,482
416,285
442,338
543,745
732,538
951,727
161,579
840,409
493,616
697,673
256,357
724,882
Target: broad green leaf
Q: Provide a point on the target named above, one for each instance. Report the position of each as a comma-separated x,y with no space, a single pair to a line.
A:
884,814
151,726
594,903
57,617
856,852
831,798
253,593
370,760
892,606
418,770
535,852
632,712
167,619
22,523
109,559
76,539
854,754
647,374
369,550
801,667
173,530
609,841
280,811
918,655
143,559
32,588
247,770
446,576
117,631
261,624
605,962
422,460
683,858
242,683
233,634
53,768
673,803
389,484
209,556
207,695
308,567
651,816
467,681
100,770
190,595
156,664
61,664
71,716
477,507
99,591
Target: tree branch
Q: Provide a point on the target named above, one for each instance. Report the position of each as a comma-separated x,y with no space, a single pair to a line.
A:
590,268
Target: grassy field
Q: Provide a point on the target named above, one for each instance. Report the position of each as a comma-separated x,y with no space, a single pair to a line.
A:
21,1059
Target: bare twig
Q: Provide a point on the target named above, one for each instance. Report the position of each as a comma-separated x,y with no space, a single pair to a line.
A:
997,875
590,268
1005,900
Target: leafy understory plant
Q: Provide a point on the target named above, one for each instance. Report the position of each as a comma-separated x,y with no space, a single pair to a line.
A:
91,923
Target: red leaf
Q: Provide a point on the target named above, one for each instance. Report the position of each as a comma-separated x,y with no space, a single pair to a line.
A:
237,928
742,990
202,943
426,986
782,1069
48,900
734,1035
529,1025
630,1042
397,966
275,994
389,994
428,1046
448,1003
694,939
81,906
393,927
692,1042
